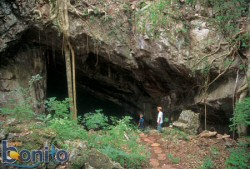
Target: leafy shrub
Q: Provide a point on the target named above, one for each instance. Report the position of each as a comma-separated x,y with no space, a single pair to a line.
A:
207,164
175,160
239,158
241,115
95,120
58,109
44,118
119,143
67,129
130,160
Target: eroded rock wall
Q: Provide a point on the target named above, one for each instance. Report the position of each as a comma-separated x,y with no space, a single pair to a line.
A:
127,66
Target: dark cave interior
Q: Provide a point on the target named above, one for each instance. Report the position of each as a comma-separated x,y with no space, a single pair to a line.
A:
86,101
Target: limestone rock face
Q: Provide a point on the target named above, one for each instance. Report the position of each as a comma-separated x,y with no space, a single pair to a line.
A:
188,121
116,62
17,73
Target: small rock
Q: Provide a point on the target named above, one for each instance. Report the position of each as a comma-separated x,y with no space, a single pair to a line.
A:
142,135
11,136
3,134
162,155
155,145
162,158
154,162
10,121
158,151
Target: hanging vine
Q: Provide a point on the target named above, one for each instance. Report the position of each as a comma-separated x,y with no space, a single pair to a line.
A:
61,15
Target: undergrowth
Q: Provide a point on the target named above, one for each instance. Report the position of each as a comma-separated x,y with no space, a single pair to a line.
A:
174,160
239,158
207,163
174,134
118,141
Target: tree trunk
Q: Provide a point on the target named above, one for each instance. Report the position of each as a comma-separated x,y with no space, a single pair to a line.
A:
69,77
69,54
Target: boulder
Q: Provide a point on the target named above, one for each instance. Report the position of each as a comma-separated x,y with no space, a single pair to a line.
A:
78,155
82,157
98,160
188,121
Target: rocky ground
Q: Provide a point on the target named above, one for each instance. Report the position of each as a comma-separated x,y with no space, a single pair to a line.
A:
174,150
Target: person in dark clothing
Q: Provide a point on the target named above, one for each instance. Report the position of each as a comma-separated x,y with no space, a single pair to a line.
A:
141,122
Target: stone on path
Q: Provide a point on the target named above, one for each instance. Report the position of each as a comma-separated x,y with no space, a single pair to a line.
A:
152,138
165,166
161,155
142,135
155,145
162,158
157,148
158,151
154,162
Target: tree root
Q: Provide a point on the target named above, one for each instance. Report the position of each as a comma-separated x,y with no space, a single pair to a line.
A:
217,50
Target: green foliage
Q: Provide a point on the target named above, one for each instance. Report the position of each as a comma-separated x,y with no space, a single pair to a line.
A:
67,129
95,120
58,109
166,119
239,158
215,152
227,14
153,16
175,134
208,163
174,160
19,105
241,115
44,118
133,160
120,144
35,79
118,141
191,2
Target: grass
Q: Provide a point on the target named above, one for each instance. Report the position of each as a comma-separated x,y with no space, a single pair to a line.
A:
173,134
208,163
174,160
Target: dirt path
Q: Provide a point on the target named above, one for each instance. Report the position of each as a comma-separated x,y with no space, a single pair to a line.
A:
158,150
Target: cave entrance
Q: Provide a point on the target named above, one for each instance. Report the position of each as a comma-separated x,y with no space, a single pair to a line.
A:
86,101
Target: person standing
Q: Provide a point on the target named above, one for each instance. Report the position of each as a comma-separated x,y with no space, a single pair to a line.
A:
141,122
159,119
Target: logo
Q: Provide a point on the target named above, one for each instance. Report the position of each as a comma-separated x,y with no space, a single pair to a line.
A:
12,157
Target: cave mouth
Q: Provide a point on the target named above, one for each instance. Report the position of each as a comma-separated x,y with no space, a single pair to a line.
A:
86,101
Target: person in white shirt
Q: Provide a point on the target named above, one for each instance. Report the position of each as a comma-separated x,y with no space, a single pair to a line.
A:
159,119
